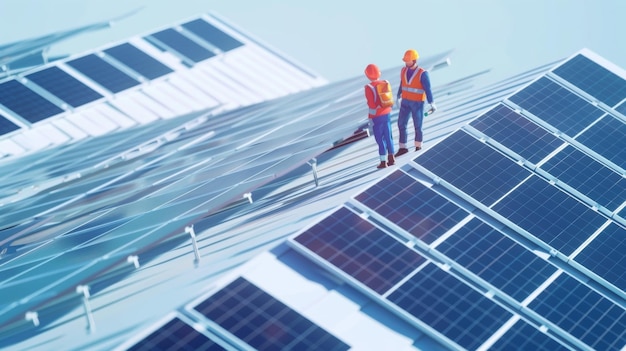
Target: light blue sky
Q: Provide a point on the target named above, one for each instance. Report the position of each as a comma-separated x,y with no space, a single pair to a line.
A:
338,38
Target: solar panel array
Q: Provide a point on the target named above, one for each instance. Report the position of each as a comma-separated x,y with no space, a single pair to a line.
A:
507,234
185,68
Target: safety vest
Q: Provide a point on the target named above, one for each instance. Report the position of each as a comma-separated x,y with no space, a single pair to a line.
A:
383,105
412,89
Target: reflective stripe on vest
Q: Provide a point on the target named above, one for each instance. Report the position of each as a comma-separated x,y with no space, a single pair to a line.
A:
412,89
372,111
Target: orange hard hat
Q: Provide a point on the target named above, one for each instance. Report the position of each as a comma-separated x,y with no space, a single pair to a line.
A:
410,55
372,72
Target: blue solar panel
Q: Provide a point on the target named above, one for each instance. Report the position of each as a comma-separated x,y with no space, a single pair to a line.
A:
606,255
25,102
451,307
582,312
361,250
523,336
182,44
594,79
176,335
263,322
588,176
138,61
517,133
7,126
608,138
621,108
557,106
499,260
412,206
103,73
550,215
473,167
212,35
64,86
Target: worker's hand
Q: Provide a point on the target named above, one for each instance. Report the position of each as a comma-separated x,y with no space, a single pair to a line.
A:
432,109
398,102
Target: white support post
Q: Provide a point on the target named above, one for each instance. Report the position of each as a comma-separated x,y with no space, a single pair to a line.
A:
192,233
91,324
134,259
33,316
248,196
313,164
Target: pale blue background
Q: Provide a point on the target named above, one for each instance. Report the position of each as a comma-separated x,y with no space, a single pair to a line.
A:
338,38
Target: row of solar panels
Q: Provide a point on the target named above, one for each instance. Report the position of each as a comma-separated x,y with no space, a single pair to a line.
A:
143,65
525,250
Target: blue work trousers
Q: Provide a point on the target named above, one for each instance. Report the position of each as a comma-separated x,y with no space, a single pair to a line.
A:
382,133
416,109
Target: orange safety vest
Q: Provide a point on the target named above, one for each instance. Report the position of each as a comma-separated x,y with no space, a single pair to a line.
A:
412,89
374,108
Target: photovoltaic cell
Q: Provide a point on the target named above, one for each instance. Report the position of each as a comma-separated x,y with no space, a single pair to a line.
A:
473,167
212,35
25,102
412,206
64,86
608,138
451,307
263,322
183,45
138,61
361,250
621,108
103,73
583,313
605,255
517,133
550,215
7,126
594,79
523,336
557,106
176,335
499,260
588,176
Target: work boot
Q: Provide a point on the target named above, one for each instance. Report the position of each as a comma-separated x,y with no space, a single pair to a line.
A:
402,151
382,164
391,160
418,148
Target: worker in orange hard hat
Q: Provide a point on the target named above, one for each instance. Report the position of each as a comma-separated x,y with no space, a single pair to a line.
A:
414,90
379,97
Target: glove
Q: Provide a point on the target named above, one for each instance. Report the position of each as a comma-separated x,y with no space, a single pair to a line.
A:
432,109
398,102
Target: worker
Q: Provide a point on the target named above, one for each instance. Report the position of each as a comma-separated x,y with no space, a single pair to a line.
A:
379,101
414,90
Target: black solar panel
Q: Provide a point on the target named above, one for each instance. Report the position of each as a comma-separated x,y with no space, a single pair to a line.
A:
103,73
7,126
608,138
412,206
473,167
25,102
263,322
606,255
64,86
138,61
517,133
499,260
450,306
557,106
361,250
212,35
594,79
182,44
176,335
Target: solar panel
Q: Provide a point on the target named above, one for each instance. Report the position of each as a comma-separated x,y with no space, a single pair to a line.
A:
176,335
608,138
594,79
621,108
582,312
605,255
557,106
523,336
103,73
360,250
412,206
473,167
263,322
181,44
517,133
212,35
451,307
588,176
138,61
7,126
550,215
25,102
499,260
64,86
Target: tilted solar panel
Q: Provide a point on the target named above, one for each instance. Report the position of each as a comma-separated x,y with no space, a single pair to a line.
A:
25,102
64,86
212,35
7,126
138,60
103,73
